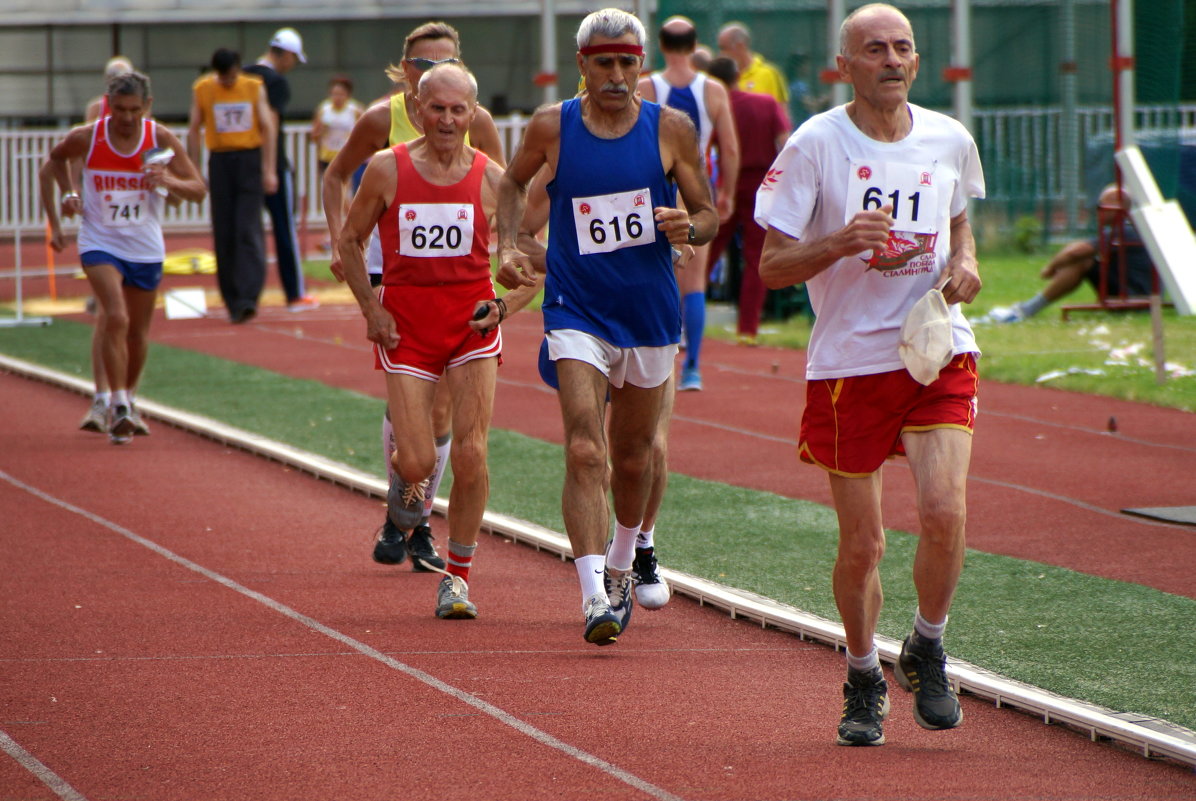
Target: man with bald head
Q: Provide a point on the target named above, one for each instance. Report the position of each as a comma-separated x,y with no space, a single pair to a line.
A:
868,205
755,74
433,201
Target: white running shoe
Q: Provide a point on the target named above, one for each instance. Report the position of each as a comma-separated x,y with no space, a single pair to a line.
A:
651,591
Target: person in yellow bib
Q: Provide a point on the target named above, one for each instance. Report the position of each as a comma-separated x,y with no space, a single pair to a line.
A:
755,74
241,139
386,123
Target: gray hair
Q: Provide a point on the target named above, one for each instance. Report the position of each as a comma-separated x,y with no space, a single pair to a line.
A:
117,65
739,33
849,21
610,23
129,83
466,75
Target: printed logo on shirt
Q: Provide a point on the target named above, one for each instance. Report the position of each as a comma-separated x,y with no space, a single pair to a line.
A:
770,178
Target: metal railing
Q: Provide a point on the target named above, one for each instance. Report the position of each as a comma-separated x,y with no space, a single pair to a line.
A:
1023,151
23,151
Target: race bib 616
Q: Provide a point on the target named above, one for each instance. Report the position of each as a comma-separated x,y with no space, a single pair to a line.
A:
606,223
427,230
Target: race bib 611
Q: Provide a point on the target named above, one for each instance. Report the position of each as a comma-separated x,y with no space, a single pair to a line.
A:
428,230
911,190
605,223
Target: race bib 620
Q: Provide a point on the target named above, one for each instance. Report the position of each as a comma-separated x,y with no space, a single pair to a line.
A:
427,230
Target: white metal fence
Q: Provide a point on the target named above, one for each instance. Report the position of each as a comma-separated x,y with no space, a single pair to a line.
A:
1026,154
23,151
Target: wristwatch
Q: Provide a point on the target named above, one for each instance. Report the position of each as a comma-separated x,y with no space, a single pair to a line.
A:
693,234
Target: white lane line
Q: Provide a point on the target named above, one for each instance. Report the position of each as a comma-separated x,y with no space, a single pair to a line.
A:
542,737
29,762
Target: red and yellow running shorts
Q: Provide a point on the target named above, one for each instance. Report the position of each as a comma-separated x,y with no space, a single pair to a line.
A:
851,425
433,328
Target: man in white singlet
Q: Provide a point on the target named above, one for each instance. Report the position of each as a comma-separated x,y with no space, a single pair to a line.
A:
868,204
120,240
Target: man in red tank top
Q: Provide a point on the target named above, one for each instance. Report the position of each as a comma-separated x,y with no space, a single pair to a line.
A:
433,200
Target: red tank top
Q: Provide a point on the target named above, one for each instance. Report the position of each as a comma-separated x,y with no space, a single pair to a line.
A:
434,234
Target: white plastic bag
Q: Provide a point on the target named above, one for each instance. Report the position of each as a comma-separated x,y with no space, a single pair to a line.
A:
926,341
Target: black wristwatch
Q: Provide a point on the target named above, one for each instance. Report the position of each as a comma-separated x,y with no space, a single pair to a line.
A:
693,234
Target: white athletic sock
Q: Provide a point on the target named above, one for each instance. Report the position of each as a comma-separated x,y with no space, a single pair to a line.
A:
863,664
926,629
590,570
388,445
104,398
443,446
645,538
622,548
120,398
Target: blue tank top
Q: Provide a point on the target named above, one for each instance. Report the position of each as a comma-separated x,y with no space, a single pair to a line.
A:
610,272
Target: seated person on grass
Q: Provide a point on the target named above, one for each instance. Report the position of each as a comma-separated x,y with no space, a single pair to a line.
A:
1080,260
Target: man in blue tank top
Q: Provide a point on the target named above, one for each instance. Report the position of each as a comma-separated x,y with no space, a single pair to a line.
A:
612,314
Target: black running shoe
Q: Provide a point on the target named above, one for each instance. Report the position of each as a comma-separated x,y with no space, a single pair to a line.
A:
865,707
922,669
390,548
424,558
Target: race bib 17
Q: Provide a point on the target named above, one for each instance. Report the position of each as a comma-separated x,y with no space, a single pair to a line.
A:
233,117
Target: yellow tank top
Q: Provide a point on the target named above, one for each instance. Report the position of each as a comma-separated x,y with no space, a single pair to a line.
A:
401,127
230,113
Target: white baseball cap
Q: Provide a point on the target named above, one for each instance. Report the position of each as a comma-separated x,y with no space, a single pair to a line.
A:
289,39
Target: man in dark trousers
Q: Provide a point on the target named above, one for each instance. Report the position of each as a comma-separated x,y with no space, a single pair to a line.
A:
286,50
763,127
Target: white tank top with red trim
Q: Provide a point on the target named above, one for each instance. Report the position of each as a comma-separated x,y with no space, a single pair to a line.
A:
121,214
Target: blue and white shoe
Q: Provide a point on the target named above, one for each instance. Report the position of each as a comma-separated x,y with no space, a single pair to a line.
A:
602,625
691,380
1002,315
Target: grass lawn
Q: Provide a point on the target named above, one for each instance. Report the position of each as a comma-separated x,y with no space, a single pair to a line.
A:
1099,353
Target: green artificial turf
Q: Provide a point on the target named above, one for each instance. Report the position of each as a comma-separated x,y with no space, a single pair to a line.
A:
1120,645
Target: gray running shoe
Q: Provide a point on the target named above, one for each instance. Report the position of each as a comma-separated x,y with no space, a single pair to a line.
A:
922,669
405,503
96,418
140,429
865,707
452,600
602,625
424,558
120,425
619,586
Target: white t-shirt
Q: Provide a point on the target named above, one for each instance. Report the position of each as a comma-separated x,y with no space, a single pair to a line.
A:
828,171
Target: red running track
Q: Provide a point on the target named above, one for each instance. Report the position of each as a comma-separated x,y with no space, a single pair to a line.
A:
184,621
1047,482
